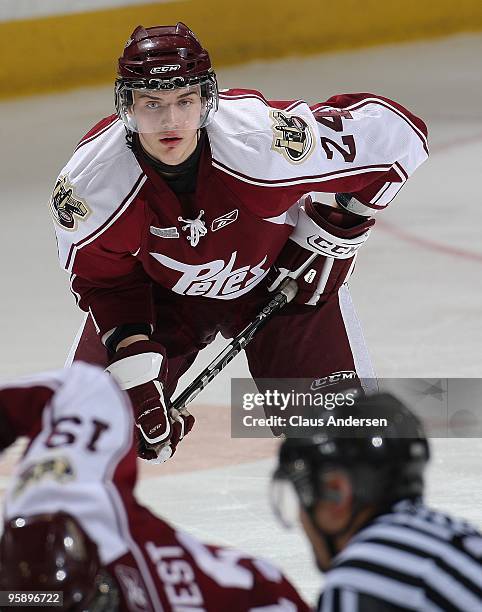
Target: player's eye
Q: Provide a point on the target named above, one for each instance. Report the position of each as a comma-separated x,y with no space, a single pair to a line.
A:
185,102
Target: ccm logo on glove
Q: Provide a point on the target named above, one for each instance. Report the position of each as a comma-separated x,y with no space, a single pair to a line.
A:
340,249
317,230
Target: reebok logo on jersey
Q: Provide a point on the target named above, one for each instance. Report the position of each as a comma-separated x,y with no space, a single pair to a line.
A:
214,279
164,232
66,207
224,220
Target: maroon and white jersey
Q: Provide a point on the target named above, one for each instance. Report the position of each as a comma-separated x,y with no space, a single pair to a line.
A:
120,228
82,461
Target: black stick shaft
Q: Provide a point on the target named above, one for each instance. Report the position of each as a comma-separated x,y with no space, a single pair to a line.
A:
234,347
285,295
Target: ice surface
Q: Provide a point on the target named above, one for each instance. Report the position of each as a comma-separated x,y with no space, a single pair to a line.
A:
417,290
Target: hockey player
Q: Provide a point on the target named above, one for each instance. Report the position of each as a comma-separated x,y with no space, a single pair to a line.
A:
359,498
72,523
172,212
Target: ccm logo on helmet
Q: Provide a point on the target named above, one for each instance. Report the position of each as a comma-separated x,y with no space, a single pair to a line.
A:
166,68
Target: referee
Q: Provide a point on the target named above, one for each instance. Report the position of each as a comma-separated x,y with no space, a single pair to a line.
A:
359,499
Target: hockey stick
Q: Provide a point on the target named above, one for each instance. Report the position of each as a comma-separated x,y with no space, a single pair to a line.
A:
287,292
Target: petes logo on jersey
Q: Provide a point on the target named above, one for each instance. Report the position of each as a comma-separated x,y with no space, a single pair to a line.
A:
214,279
224,220
292,136
66,207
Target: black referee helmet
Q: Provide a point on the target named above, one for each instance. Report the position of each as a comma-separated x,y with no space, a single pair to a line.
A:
385,462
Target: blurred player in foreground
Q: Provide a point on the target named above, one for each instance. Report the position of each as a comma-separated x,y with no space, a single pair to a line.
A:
177,216
72,523
359,499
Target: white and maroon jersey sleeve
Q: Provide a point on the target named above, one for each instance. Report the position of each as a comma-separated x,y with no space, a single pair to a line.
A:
212,578
94,189
359,144
79,461
22,402
83,462
98,221
383,139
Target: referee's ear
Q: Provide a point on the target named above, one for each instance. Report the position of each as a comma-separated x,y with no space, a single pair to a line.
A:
334,509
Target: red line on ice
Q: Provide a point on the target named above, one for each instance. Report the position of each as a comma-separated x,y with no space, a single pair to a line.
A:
433,245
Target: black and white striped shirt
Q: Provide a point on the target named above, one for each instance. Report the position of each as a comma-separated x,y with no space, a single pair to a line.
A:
411,558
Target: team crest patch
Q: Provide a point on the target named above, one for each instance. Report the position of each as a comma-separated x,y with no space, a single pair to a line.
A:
58,468
292,136
66,207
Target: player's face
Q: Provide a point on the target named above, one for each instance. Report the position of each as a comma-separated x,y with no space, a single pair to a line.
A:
168,122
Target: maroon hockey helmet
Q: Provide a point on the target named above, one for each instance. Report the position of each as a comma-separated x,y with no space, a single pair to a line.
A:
164,58
51,552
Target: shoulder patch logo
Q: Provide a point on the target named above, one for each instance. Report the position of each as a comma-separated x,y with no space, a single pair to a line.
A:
224,220
66,207
57,468
292,136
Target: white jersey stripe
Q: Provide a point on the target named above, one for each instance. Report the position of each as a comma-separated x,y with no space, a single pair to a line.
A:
388,194
75,344
224,96
134,549
324,276
380,193
72,290
387,589
418,522
326,604
96,135
424,543
49,380
373,100
124,206
123,518
363,103
361,357
413,565
321,178
349,601
397,166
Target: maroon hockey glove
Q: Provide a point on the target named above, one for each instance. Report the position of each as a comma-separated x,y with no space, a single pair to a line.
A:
7,432
141,369
336,235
